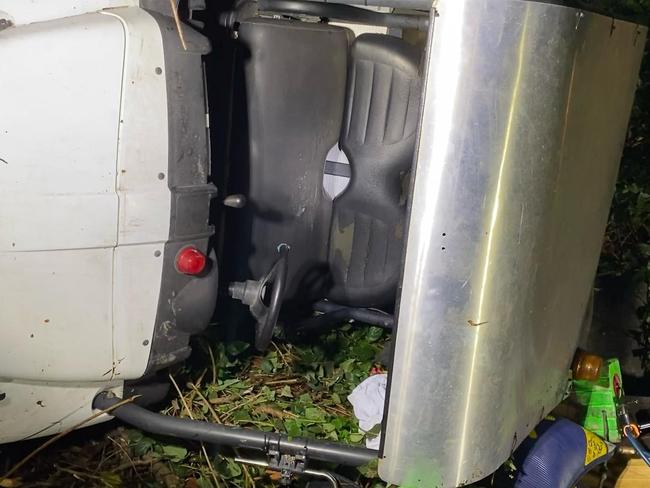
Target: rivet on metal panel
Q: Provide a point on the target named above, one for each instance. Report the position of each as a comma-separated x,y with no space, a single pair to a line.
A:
145,342
161,176
158,70
156,254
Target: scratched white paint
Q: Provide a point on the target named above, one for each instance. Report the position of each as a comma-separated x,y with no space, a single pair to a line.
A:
84,206
56,315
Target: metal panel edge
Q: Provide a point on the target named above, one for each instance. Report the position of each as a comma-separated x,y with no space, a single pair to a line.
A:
524,119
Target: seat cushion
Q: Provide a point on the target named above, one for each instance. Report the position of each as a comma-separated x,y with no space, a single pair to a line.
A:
378,137
295,82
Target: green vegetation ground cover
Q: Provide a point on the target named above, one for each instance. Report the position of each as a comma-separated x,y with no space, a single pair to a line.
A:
299,390
626,248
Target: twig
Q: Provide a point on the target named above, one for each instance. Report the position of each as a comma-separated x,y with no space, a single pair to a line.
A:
210,408
341,412
101,457
237,407
104,460
274,412
79,474
189,412
179,26
197,382
284,360
134,464
214,365
249,479
222,400
51,441
125,453
291,381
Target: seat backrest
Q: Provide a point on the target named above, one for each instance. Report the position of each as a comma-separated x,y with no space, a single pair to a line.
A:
378,137
295,81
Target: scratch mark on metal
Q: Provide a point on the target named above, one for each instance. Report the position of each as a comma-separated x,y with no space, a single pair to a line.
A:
476,324
521,223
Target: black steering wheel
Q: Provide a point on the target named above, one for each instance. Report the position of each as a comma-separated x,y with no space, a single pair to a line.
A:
272,288
264,297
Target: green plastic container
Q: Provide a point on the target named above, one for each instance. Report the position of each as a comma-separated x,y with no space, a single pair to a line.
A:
599,398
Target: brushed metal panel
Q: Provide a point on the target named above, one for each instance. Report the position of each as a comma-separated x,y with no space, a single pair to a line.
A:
524,118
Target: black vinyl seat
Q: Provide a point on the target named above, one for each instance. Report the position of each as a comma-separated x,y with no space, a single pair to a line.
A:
378,137
309,85
295,76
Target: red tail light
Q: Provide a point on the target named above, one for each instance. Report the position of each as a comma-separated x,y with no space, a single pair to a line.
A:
190,261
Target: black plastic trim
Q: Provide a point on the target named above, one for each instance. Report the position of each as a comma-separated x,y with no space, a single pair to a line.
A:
186,303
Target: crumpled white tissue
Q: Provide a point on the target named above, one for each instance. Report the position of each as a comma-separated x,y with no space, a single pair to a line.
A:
367,399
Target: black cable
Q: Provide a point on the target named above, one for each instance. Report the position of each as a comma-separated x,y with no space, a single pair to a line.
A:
366,315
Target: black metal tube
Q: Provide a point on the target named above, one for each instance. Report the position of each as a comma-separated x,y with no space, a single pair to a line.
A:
413,4
197,430
322,322
365,315
345,13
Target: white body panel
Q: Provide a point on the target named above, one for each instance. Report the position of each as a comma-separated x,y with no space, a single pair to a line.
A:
49,407
135,305
142,151
22,12
58,128
57,318
84,209
57,191
144,196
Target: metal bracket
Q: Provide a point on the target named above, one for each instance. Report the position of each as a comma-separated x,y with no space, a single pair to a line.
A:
286,468
287,465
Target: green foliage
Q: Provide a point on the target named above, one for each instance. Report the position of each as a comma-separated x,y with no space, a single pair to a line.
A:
637,8
300,390
626,250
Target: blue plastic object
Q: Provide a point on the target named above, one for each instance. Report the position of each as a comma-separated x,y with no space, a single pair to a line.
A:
557,454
